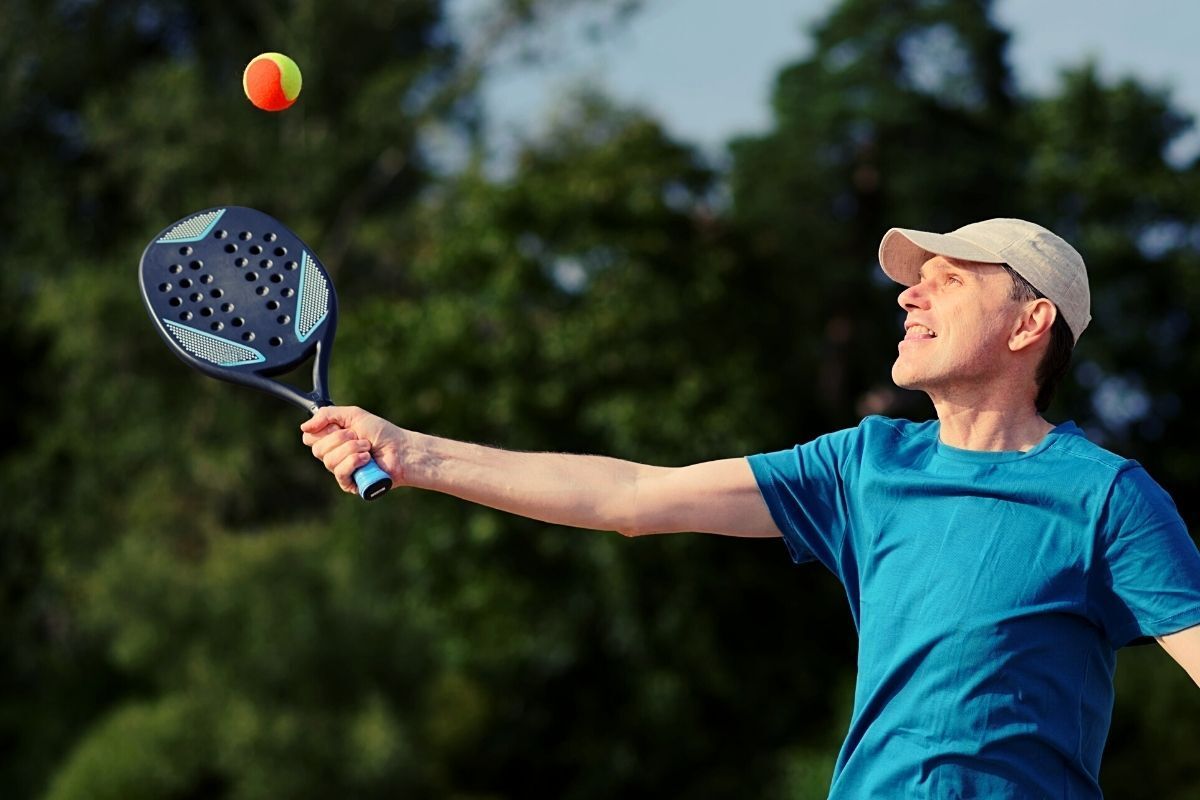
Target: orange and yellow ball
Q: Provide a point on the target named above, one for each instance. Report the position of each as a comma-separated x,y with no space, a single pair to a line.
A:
272,81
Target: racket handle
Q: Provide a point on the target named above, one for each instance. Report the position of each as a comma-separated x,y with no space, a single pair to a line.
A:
372,481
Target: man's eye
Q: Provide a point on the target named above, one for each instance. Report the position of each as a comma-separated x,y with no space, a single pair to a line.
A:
953,279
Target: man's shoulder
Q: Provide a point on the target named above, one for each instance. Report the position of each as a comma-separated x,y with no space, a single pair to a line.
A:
898,425
878,428
1072,444
1068,441
874,435
878,438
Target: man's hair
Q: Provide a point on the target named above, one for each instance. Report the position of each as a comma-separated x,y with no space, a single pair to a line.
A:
1057,357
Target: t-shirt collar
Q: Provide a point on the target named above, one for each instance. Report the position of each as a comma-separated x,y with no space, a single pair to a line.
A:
1068,428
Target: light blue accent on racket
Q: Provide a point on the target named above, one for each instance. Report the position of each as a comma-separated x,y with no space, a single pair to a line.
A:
221,352
368,474
312,305
192,230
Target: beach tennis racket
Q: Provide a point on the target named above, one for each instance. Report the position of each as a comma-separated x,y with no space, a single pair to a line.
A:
238,296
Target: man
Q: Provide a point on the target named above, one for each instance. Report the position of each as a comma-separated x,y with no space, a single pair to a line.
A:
994,562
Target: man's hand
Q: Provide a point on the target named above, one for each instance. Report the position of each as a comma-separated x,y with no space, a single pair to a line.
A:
344,438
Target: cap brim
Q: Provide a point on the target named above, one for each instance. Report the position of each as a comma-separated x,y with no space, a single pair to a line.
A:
903,251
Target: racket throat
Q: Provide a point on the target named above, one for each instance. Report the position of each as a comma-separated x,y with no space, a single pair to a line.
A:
320,372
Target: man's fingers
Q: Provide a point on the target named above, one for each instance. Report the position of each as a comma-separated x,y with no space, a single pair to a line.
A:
344,470
332,456
319,420
330,415
330,433
323,443
311,438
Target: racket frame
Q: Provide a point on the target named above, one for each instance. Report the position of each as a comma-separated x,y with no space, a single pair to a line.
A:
372,481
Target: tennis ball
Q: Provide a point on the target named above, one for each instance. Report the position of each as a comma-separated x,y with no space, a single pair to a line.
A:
272,81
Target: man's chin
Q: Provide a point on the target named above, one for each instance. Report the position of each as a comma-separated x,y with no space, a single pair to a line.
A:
904,378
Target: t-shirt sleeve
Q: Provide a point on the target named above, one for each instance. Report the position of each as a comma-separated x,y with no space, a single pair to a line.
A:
1150,569
803,488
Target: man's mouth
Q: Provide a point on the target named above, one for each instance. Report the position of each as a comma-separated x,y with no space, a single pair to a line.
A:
912,332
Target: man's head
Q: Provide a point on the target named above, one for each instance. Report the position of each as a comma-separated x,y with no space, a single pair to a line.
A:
995,306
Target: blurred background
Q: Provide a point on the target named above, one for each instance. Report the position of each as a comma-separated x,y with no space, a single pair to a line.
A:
637,228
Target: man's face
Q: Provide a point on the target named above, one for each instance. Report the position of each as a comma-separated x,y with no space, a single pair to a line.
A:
959,318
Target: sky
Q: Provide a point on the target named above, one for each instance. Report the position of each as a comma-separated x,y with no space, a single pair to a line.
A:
705,67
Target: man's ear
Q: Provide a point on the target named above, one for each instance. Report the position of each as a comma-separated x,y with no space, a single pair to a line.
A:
1033,324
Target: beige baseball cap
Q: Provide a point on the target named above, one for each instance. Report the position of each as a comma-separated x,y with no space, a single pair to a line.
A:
1050,265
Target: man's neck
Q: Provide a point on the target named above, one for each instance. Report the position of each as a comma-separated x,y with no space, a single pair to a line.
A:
996,428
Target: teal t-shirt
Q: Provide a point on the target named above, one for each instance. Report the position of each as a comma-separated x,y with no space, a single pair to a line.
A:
990,591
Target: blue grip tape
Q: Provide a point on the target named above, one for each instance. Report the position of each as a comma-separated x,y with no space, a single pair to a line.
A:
371,480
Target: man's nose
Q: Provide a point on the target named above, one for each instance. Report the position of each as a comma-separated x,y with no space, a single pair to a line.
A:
913,297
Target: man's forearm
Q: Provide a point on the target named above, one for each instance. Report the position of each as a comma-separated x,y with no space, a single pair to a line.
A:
581,491
577,490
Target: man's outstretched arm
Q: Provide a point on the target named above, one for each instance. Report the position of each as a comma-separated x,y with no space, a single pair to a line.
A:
582,491
1184,647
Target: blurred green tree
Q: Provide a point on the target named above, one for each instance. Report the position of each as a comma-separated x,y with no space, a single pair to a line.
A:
903,116
118,116
546,311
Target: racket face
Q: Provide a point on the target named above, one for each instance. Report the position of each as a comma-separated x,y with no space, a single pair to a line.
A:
238,295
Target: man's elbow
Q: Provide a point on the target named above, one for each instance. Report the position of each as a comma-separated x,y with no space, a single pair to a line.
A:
642,524
644,505
632,526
